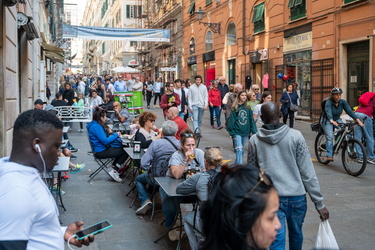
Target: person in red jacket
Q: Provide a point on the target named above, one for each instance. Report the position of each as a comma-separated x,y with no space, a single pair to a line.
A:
214,101
169,99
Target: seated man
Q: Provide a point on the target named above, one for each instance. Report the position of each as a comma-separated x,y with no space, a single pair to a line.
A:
172,114
121,117
153,152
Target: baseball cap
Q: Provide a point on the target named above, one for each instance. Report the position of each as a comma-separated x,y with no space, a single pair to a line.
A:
39,101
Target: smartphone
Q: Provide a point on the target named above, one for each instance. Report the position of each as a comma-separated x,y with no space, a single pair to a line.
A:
94,229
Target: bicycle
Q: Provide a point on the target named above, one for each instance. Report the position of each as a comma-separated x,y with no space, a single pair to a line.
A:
353,165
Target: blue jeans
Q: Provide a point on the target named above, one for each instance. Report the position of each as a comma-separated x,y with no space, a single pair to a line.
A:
168,207
181,114
367,130
292,211
328,132
193,233
140,183
198,116
239,145
215,112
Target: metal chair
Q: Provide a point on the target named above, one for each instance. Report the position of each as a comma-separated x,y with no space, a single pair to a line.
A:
103,163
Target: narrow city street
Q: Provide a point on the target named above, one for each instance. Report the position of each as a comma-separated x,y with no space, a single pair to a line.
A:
350,200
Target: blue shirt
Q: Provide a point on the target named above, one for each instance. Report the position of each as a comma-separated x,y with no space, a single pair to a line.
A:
334,112
157,86
120,86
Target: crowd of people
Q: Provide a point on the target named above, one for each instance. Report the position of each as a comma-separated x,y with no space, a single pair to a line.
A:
263,198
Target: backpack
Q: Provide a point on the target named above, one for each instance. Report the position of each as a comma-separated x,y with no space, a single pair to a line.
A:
323,108
364,99
160,165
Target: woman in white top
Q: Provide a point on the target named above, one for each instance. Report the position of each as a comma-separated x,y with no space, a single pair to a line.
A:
266,97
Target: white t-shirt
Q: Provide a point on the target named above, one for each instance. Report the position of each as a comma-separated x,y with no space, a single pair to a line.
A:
179,92
28,210
257,112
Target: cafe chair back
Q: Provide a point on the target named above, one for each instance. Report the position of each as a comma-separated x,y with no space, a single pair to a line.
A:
103,163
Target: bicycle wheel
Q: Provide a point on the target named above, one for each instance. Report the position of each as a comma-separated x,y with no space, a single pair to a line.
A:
353,165
320,148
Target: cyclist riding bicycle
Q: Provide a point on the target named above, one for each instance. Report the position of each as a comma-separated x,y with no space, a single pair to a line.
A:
334,107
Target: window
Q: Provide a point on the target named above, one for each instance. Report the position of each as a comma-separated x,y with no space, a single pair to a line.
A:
133,11
191,10
258,18
297,9
103,48
133,44
231,34
209,41
208,2
192,46
349,1
104,7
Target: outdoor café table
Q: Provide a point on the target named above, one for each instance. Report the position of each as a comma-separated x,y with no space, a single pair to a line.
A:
169,185
135,159
62,166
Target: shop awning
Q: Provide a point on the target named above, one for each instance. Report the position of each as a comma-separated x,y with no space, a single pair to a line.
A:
54,57
54,53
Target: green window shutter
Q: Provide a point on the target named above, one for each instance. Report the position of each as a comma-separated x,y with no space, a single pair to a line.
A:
127,11
298,11
208,2
139,11
258,13
191,10
291,3
349,1
298,2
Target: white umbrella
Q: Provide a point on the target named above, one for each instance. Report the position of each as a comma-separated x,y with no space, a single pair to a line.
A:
125,70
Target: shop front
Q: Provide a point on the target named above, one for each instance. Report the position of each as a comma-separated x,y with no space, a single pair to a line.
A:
209,67
258,60
297,66
192,65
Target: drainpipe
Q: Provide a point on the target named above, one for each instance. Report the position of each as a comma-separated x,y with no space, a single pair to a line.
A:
243,31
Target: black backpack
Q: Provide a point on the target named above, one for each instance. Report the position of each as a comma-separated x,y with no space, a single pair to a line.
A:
323,114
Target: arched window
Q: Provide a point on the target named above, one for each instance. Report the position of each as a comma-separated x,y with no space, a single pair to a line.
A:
231,34
209,41
192,46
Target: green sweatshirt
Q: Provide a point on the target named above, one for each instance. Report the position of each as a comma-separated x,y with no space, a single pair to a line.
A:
241,122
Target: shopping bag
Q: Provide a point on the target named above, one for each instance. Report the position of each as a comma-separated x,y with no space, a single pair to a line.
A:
325,238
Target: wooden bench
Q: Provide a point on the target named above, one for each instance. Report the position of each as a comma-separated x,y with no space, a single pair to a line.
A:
74,113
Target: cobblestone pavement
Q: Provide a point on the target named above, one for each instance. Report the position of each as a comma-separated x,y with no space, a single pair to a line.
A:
350,200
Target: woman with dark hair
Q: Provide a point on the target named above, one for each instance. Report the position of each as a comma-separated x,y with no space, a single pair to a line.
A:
240,124
266,97
106,144
108,102
241,210
147,132
289,96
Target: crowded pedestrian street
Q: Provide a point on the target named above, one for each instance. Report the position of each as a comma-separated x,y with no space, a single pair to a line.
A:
349,199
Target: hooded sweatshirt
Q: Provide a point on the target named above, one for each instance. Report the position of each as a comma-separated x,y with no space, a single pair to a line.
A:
28,211
98,138
283,154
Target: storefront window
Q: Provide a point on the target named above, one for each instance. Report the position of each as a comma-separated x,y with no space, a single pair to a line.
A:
192,46
298,69
209,42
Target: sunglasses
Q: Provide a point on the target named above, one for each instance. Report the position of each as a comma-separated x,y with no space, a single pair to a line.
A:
262,178
187,135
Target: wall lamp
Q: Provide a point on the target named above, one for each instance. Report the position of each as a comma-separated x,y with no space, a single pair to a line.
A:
214,27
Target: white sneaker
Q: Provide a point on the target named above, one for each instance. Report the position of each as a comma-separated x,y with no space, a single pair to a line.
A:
115,176
371,161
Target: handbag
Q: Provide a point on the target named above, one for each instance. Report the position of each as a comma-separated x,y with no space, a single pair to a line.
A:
293,107
325,238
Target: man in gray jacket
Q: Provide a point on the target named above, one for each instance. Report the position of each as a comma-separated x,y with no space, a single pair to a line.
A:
167,145
283,154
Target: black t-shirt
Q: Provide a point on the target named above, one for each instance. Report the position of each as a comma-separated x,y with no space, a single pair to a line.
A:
169,98
59,103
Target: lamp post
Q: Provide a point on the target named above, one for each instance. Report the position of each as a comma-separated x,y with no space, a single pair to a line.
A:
214,27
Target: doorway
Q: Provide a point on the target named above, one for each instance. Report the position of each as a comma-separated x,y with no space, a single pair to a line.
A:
231,71
358,71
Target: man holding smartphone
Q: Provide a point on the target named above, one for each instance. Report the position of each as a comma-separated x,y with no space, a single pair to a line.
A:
28,212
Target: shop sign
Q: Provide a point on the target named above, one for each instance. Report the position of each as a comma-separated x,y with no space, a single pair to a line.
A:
298,42
133,63
192,60
168,69
209,56
259,55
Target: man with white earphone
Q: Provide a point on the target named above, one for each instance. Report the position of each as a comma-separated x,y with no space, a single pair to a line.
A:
28,212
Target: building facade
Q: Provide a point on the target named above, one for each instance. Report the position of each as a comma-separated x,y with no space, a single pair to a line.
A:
102,56
316,44
25,27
